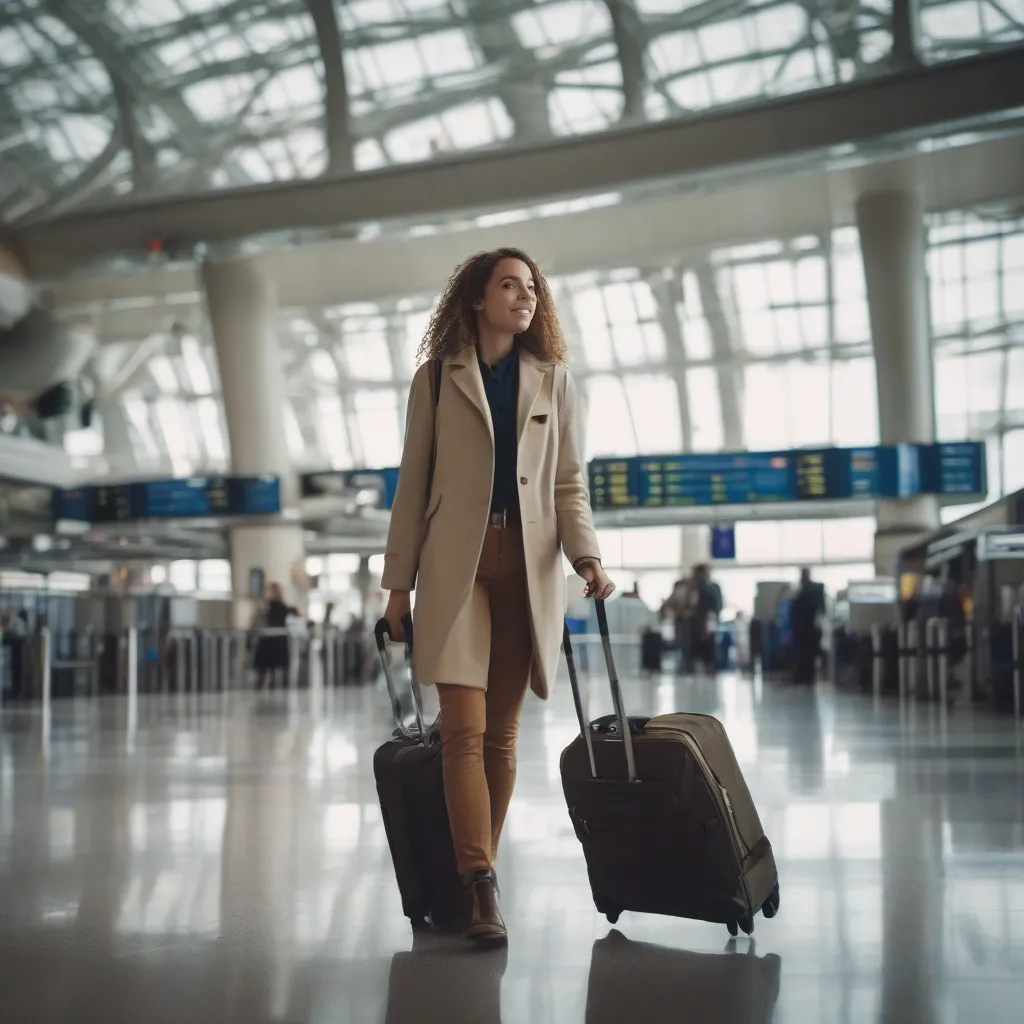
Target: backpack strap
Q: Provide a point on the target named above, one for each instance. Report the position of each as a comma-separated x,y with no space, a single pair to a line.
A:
434,367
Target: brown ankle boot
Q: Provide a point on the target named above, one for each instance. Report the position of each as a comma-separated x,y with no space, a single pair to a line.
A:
486,928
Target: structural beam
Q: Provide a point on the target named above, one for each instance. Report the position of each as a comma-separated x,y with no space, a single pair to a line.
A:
126,306
919,102
337,127
730,374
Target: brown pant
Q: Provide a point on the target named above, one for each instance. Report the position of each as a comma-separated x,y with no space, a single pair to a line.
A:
479,727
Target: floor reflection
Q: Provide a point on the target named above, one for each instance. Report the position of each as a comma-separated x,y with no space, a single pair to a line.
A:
222,861
442,981
658,985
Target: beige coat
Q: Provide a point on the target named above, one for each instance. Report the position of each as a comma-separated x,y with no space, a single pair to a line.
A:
440,537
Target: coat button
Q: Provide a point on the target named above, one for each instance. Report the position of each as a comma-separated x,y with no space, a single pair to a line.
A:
522,479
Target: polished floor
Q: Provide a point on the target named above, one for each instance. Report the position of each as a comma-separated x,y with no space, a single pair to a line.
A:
222,859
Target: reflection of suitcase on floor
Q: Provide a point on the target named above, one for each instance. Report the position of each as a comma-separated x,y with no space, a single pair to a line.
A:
655,984
652,645
661,807
411,791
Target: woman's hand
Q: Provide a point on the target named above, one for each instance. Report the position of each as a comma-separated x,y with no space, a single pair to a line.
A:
599,584
399,605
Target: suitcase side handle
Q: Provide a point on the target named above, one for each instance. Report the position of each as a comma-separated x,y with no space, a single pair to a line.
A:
613,680
381,632
577,698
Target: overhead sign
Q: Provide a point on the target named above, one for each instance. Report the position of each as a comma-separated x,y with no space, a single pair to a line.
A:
802,474
176,498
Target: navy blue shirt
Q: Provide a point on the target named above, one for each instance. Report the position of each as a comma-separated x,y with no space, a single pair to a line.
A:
501,385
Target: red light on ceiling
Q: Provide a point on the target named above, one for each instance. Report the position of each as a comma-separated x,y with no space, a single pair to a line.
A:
155,245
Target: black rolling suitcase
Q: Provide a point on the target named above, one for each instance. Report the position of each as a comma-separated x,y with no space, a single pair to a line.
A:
411,791
661,807
652,646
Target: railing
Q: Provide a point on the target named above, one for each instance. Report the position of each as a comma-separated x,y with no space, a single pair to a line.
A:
189,661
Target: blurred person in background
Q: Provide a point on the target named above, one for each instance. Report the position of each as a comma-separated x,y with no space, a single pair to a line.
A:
807,605
272,658
705,607
676,609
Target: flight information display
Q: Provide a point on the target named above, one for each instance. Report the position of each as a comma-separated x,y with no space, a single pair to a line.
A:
954,468
114,503
805,474
174,499
729,479
253,495
812,475
192,498
72,504
613,483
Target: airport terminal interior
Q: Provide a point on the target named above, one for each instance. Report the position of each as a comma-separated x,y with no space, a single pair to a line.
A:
785,243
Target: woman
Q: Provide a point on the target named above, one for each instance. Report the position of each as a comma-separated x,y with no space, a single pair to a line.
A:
491,489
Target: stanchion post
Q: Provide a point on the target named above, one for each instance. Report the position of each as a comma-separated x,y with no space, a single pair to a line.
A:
193,660
913,656
1018,646
901,658
46,665
876,659
329,658
133,680
942,633
930,646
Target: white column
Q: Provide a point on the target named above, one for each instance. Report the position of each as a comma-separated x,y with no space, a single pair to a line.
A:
242,304
892,241
696,547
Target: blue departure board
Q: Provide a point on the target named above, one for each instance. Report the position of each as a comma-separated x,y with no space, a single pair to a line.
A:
254,495
73,504
815,474
952,468
114,503
176,499
864,472
728,479
191,498
613,483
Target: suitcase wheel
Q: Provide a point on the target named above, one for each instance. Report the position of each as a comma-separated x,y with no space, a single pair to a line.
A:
734,928
747,924
612,915
771,905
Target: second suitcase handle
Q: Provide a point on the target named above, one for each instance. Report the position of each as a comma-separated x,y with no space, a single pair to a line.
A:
380,632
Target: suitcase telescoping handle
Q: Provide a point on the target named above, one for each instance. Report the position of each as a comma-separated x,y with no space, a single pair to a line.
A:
613,680
381,632
581,715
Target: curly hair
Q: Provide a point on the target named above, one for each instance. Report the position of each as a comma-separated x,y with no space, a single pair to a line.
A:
453,323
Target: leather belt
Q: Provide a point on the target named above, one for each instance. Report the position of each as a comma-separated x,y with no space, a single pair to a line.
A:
504,517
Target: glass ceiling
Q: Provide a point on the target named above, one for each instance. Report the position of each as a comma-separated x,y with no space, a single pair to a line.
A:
151,97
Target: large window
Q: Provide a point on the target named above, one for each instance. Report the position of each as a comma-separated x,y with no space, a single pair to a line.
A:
976,288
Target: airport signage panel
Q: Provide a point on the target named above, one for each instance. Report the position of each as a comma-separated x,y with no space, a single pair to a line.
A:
176,498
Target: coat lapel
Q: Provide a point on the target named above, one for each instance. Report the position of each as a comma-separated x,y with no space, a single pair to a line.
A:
466,375
531,379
